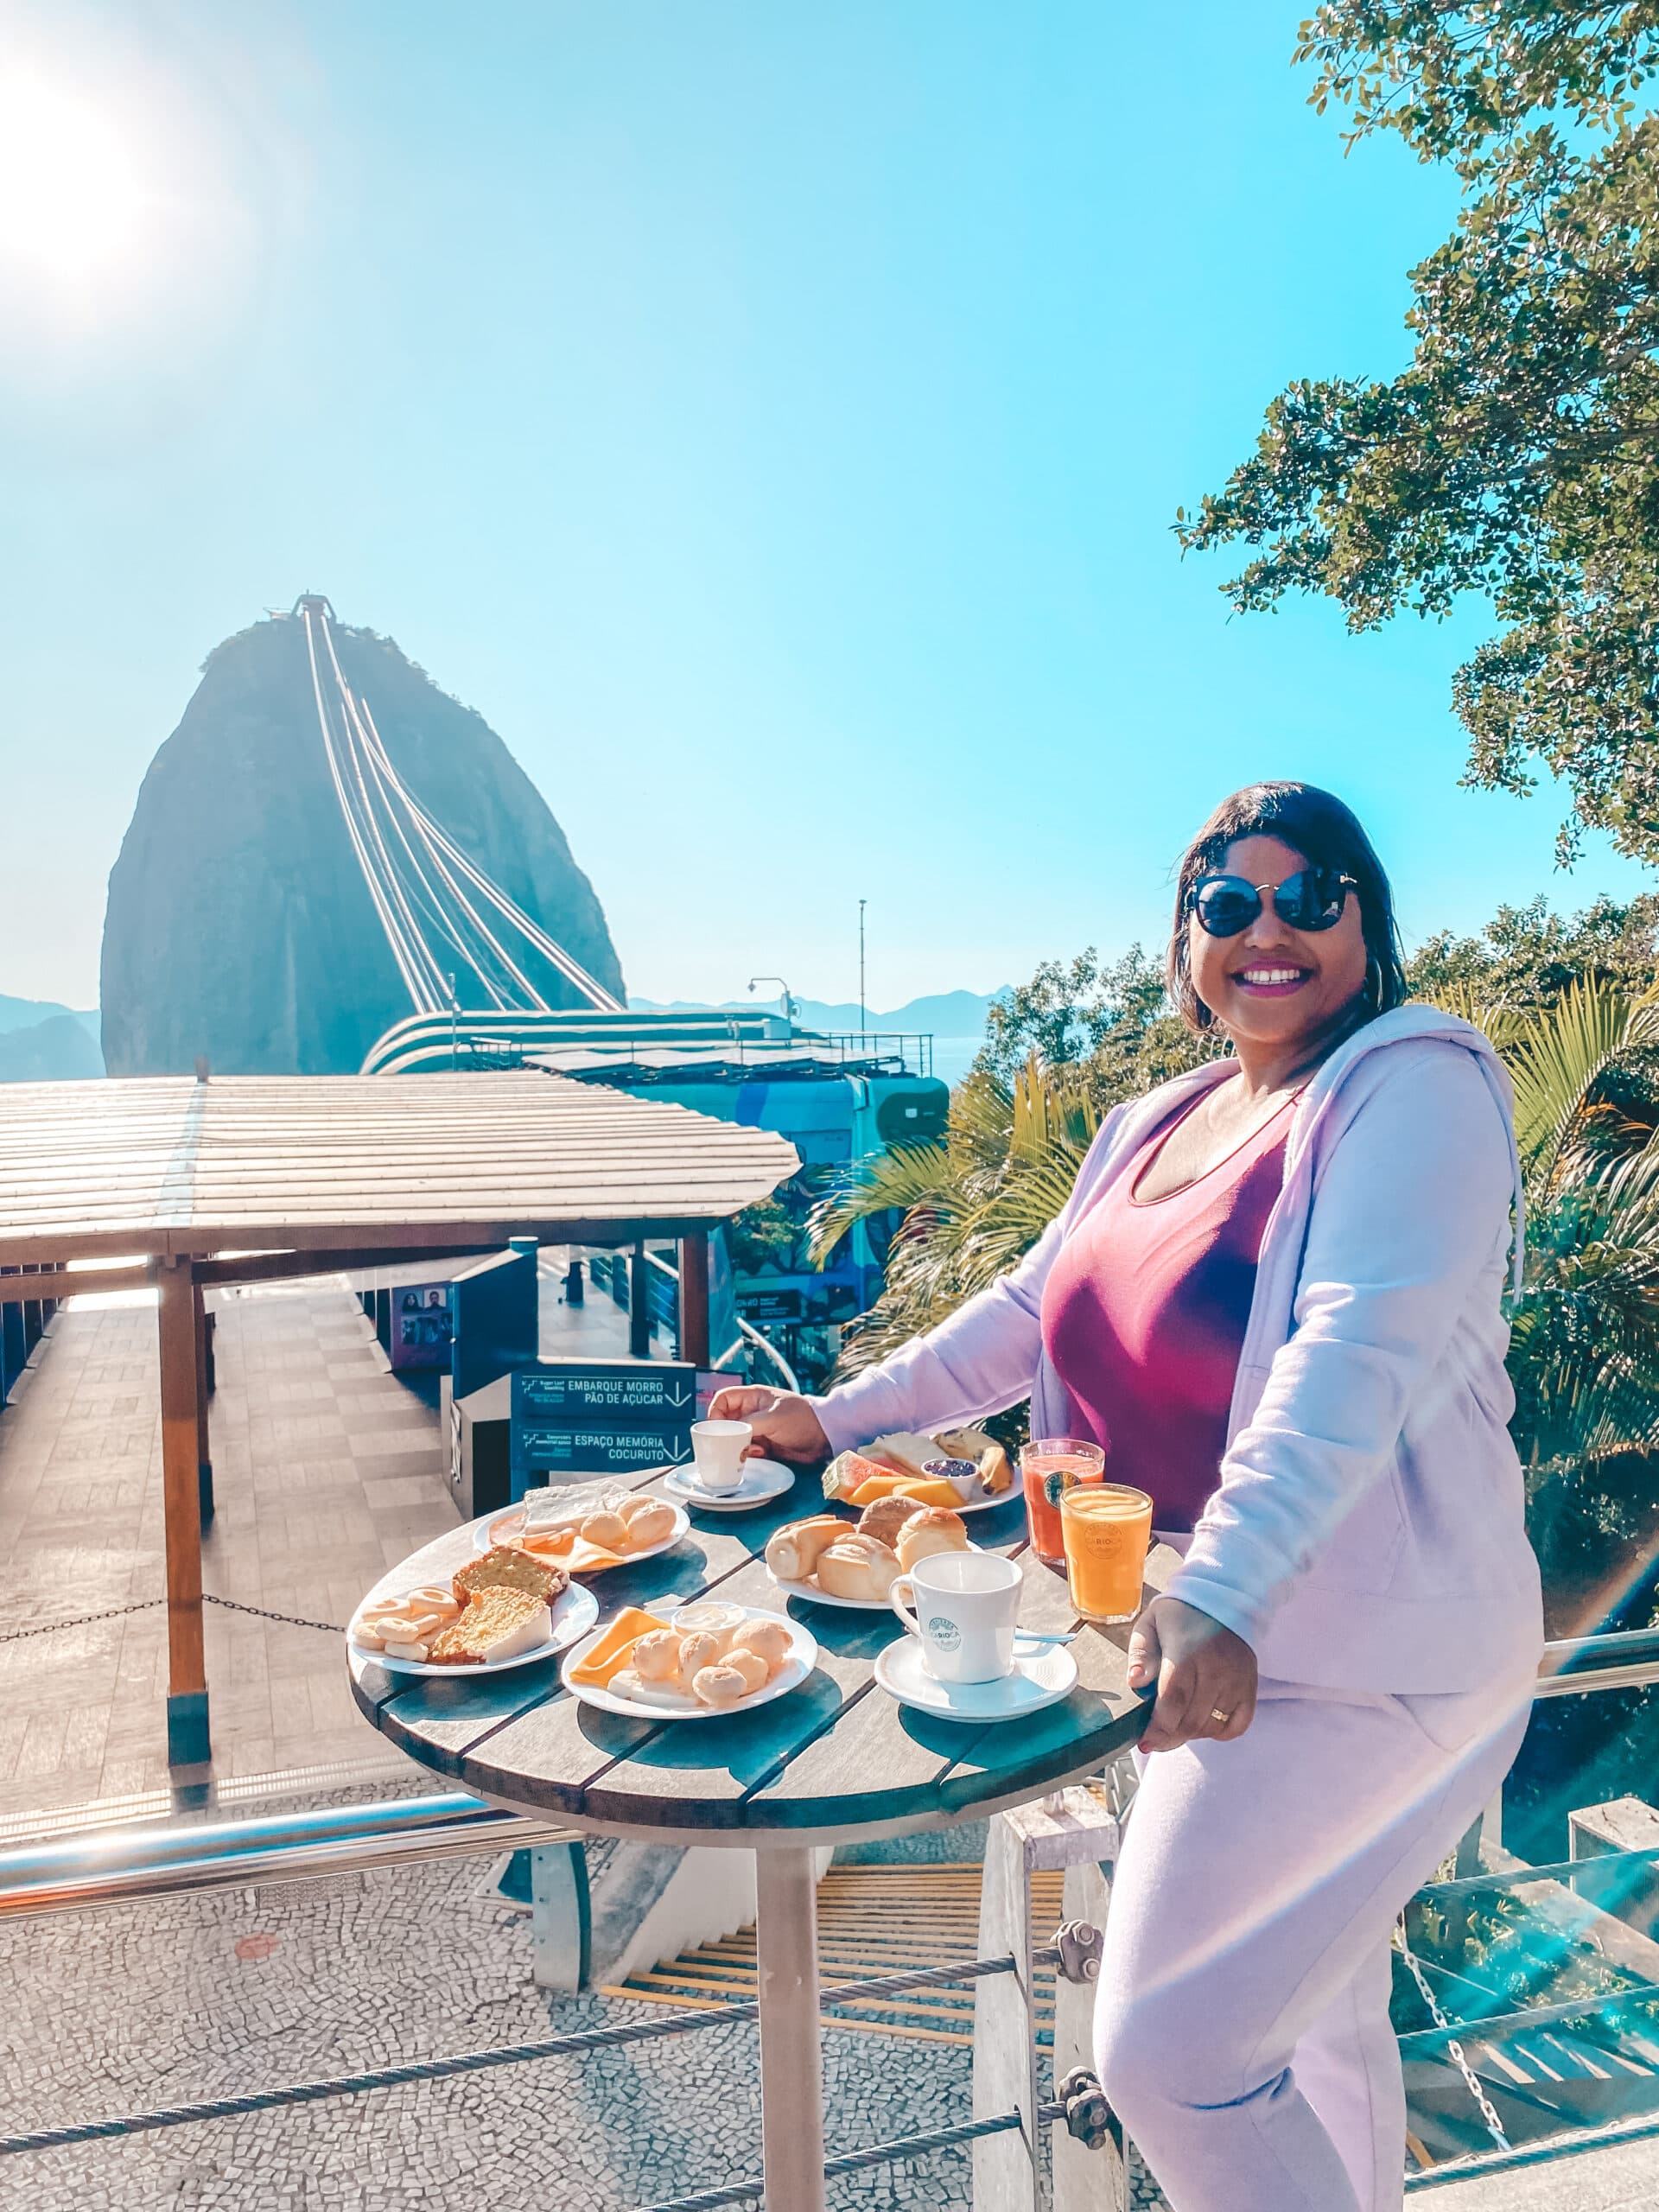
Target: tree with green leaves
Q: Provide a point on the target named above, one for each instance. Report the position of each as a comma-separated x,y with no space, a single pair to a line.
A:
1110,1019
1517,455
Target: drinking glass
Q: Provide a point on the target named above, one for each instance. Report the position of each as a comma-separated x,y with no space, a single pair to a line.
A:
1049,1466
1106,1529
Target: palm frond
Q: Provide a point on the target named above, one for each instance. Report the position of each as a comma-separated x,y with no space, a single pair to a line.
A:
912,1176
1566,1051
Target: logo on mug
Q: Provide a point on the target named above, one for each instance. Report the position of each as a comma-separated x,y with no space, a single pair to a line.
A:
1055,1483
944,1633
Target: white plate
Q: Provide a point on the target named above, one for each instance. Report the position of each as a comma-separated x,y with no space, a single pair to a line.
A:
483,1539
762,1479
1041,1677
803,1656
574,1610
814,1596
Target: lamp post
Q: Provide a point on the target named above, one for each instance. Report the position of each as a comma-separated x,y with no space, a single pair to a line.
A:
863,1015
789,1002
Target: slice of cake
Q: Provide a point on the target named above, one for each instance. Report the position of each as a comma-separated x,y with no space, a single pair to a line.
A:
498,1624
505,1568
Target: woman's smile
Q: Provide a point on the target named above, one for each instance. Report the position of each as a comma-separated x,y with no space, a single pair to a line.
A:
1263,981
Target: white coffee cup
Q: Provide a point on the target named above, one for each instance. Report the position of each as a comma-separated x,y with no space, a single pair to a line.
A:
718,1447
965,1604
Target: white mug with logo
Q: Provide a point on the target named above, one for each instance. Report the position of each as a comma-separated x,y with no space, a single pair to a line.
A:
718,1447
965,1605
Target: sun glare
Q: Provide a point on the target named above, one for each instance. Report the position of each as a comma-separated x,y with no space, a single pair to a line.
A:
70,200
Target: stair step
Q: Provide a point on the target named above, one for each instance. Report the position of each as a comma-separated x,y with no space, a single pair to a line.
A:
872,1921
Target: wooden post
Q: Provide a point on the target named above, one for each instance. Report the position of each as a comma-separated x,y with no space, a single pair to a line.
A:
1083,2180
1074,1828
188,1738
639,1304
1007,2167
791,2050
204,1454
693,1298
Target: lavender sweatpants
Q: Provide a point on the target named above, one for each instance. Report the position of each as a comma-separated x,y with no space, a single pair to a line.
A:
1242,2031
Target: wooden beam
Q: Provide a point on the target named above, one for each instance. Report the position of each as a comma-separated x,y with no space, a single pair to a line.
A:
442,1239
693,1298
32,1286
283,1266
188,1741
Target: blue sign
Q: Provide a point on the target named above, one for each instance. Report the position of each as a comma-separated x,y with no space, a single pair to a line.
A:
600,1417
593,1448
659,1392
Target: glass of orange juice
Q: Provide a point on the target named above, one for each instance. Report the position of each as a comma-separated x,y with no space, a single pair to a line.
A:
1106,1529
1048,1466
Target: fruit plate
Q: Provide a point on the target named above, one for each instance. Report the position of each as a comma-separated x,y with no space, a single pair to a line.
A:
811,1595
978,1501
484,1533
763,1479
574,1610
803,1656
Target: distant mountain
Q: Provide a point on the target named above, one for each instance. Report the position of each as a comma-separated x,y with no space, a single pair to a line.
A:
24,1014
946,1013
56,1050
240,925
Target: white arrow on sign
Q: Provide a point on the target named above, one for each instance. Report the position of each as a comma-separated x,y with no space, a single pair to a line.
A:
676,1397
677,1451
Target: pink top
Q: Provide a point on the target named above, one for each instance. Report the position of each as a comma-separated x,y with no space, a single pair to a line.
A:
1144,1312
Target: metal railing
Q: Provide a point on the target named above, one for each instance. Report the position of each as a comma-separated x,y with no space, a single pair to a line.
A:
114,1866
111,1866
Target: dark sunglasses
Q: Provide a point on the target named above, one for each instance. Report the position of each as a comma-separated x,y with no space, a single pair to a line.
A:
1313,898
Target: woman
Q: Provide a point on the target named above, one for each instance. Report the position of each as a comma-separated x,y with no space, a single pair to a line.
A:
1274,1295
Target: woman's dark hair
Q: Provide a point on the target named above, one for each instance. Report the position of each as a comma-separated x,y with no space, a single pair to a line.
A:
1327,835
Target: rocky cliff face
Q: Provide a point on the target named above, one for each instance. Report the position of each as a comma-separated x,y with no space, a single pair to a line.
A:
238,924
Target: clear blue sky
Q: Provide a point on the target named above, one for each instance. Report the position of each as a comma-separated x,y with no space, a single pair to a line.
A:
769,415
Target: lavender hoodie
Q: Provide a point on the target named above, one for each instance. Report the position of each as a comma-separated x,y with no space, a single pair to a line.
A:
1367,1532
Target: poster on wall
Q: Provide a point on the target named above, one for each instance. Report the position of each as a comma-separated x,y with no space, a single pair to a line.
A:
422,1325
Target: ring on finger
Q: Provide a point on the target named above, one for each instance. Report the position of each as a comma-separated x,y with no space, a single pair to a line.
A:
1220,1717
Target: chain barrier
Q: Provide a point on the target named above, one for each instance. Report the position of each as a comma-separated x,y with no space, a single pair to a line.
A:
264,1613
475,2061
147,1604
1454,2049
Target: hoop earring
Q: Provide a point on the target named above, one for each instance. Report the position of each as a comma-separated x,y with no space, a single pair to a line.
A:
1374,982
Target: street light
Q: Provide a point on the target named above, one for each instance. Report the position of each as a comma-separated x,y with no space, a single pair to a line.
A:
789,1002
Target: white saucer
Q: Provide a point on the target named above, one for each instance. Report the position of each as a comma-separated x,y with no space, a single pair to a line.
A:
1041,1676
762,1479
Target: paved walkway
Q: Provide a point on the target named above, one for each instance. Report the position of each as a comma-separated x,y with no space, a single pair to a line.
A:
327,1471
150,2004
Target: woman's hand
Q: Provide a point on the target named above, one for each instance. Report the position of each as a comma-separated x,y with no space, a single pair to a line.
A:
1202,1669
786,1426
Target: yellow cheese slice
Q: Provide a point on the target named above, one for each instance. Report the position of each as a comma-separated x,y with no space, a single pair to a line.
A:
610,1655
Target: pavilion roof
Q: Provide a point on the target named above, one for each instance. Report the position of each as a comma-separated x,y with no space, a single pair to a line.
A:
171,1166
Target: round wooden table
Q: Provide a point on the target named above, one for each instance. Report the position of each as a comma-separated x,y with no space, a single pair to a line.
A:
835,1761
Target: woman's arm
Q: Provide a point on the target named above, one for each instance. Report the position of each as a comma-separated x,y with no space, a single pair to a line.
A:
1412,1207
983,1358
